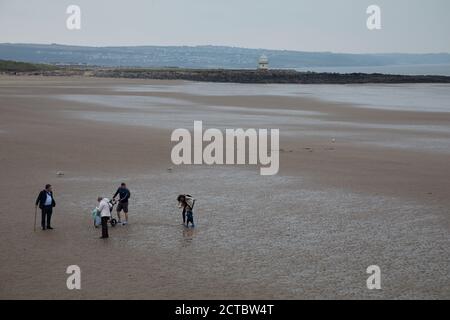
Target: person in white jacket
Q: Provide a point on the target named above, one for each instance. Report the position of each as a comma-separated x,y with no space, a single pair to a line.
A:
104,208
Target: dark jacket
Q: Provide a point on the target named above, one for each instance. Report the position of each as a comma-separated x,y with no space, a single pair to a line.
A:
42,197
124,194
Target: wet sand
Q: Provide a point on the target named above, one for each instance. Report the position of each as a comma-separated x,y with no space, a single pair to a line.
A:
379,195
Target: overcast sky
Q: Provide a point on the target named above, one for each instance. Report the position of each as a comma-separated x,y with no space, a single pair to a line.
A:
414,26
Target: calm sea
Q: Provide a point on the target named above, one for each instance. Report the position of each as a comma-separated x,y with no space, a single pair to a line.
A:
436,69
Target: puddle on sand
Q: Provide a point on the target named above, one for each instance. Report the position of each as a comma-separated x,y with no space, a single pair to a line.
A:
407,97
168,113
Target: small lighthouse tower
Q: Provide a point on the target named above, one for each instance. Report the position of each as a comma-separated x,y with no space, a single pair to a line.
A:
263,63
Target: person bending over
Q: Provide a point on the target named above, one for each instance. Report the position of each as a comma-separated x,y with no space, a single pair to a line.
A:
187,202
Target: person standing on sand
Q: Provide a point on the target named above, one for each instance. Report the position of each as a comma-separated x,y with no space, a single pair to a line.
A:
124,195
46,203
104,208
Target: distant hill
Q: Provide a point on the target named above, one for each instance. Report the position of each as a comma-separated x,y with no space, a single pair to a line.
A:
203,57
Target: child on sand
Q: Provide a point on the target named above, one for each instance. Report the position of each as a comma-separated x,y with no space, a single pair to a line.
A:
187,202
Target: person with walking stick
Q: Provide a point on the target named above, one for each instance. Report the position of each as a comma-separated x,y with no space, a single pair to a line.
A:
46,203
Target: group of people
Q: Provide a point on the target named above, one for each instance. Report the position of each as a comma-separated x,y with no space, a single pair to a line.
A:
46,202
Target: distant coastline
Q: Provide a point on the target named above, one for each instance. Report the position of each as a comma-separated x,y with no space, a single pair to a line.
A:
216,57
216,75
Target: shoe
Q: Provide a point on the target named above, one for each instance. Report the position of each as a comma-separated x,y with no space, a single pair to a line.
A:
44,228
50,228
104,237
124,223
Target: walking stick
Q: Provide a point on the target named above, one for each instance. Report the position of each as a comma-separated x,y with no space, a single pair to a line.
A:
35,214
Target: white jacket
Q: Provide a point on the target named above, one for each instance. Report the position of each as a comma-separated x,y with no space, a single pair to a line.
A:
104,208
190,201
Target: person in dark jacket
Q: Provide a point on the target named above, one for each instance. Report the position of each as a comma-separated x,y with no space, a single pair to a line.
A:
124,195
46,203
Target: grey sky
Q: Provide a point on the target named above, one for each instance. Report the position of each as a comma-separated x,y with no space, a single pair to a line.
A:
306,25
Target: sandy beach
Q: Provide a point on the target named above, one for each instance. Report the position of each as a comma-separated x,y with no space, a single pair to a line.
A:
378,194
